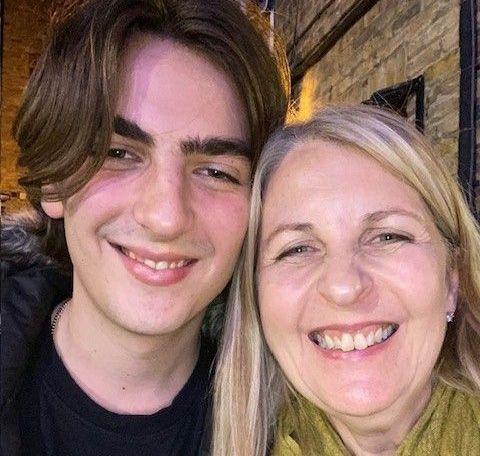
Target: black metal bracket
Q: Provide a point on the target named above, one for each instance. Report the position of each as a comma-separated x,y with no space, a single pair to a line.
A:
467,141
397,97
345,22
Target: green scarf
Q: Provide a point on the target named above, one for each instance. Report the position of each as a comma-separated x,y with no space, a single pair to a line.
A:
449,426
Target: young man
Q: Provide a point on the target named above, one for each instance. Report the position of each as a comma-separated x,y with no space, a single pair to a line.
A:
138,132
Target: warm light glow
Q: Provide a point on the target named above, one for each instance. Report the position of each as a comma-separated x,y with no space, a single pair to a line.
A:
305,104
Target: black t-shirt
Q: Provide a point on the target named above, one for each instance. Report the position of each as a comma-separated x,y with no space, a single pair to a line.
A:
58,418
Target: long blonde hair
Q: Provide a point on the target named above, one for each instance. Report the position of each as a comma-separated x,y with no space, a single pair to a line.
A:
249,386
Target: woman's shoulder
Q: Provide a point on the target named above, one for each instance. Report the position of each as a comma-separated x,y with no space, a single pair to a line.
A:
458,419
450,425
305,429
460,406
465,407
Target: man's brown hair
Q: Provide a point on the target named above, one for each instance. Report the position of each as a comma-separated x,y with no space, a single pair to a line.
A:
67,114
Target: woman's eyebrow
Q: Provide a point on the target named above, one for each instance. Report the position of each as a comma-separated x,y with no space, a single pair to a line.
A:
302,227
380,215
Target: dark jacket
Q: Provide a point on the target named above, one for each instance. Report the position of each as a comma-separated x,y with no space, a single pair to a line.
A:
32,285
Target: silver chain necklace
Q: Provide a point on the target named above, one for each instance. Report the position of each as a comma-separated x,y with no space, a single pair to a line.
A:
57,313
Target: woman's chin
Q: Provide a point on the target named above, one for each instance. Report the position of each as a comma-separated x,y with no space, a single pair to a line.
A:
364,406
358,400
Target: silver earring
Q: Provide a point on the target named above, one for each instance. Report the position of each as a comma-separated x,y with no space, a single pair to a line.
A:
450,317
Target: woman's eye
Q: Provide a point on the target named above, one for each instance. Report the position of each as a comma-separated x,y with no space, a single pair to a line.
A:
390,238
297,250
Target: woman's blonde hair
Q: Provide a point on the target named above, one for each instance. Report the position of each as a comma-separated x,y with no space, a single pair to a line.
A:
249,386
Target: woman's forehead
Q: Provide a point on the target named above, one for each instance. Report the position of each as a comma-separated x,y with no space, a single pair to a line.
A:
319,179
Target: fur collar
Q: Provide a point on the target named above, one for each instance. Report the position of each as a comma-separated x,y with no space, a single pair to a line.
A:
21,242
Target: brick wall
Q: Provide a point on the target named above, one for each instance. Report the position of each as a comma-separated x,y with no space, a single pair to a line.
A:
25,28
393,42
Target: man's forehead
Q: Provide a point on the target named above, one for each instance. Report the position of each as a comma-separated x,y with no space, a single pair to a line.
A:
149,56
169,92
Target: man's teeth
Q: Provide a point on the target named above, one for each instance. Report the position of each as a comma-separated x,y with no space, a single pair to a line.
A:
160,265
347,342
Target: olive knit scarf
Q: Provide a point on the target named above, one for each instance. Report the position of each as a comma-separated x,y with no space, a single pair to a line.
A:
449,426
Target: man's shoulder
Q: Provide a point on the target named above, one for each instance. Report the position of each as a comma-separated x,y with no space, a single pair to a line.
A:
32,284
31,279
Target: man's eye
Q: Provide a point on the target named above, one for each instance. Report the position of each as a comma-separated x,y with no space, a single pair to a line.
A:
119,159
294,251
221,175
120,154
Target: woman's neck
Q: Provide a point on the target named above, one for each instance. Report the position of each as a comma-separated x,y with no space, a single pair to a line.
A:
380,434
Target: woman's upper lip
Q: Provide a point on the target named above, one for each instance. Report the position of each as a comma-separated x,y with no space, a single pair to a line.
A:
353,326
142,252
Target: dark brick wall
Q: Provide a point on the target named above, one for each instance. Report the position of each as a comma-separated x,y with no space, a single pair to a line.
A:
393,42
25,28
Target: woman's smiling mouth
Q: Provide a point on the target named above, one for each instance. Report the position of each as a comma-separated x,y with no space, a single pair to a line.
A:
346,341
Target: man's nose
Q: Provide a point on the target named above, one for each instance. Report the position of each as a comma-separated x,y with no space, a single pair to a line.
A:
343,281
162,206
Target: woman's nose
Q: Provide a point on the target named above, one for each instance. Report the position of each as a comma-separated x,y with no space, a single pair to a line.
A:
343,281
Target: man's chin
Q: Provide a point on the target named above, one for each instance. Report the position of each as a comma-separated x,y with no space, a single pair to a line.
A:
159,325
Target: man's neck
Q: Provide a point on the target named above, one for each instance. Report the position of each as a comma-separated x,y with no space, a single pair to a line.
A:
382,433
123,372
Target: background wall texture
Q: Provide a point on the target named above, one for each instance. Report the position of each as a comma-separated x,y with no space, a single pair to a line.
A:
384,43
339,50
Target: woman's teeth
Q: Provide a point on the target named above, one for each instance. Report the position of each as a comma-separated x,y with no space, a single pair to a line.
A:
358,341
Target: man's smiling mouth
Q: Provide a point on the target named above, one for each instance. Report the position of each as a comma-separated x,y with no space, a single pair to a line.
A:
347,341
155,268
156,265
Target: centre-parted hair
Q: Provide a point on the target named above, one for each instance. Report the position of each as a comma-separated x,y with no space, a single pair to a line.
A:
66,118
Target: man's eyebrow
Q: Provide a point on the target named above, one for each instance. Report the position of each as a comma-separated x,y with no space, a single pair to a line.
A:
213,145
302,227
380,215
132,130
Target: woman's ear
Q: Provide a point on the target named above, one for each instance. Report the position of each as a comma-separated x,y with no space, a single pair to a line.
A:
452,289
54,209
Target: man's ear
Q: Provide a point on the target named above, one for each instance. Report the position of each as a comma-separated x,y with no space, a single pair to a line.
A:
54,209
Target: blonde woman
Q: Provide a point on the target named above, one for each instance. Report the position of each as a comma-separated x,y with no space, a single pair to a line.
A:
353,326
